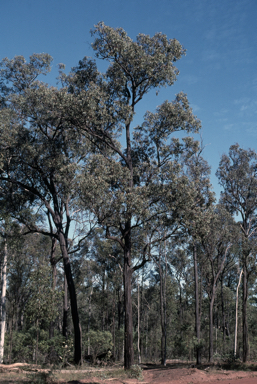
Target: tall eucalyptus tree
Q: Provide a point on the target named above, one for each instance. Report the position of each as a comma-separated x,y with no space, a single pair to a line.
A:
132,185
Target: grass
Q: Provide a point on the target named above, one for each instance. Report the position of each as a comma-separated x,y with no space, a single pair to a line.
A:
60,376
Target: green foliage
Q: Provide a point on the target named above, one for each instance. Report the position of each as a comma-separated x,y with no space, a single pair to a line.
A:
135,372
99,342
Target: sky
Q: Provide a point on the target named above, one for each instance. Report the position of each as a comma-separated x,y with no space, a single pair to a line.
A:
218,73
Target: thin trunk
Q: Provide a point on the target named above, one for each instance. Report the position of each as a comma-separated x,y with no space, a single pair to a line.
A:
3,302
211,327
37,341
163,359
89,320
65,309
237,289
223,313
138,323
54,275
244,313
165,306
128,336
73,301
197,310
113,326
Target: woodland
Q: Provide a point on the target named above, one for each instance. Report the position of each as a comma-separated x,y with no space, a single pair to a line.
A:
113,243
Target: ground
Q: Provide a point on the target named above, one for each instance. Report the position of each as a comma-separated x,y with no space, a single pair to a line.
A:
174,373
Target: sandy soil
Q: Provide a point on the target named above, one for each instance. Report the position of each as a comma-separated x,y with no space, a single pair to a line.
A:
181,375
154,374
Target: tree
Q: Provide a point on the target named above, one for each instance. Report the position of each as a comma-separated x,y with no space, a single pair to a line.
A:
237,175
41,159
127,185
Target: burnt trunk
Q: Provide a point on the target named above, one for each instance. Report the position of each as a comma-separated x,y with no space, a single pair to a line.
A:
73,300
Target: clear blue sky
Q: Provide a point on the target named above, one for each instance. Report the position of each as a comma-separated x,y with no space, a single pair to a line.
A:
219,72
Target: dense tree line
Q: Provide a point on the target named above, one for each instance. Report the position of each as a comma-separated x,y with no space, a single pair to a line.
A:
111,237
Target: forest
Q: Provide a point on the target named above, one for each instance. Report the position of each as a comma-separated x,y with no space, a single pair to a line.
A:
113,243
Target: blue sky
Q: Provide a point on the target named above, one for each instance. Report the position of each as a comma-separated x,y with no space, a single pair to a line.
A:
218,73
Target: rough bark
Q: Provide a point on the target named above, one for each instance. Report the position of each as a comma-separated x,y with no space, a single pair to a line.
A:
65,309
73,300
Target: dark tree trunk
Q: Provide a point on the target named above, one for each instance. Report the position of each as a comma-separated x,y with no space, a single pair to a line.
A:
127,277
244,314
65,309
113,327
223,313
197,310
73,300
54,274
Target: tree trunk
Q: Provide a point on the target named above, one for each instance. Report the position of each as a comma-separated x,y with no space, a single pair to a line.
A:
73,301
65,309
197,310
163,352
54,276
113,327
244,313
237,289
211,327
138,322
3,302
128,337
223,314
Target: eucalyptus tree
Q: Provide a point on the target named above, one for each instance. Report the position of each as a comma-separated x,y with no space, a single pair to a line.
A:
131,186
42,158
237,175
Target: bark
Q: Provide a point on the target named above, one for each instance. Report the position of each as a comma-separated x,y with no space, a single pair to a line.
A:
127,276
54,276
3,302
138,323
89,320
244,313
65,309
163,337
223,313
197,310
236,325
113,327
73,300
211,327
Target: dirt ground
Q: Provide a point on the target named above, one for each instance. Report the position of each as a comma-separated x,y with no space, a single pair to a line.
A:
174,373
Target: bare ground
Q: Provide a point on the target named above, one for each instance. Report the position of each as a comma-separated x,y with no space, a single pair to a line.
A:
174,373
